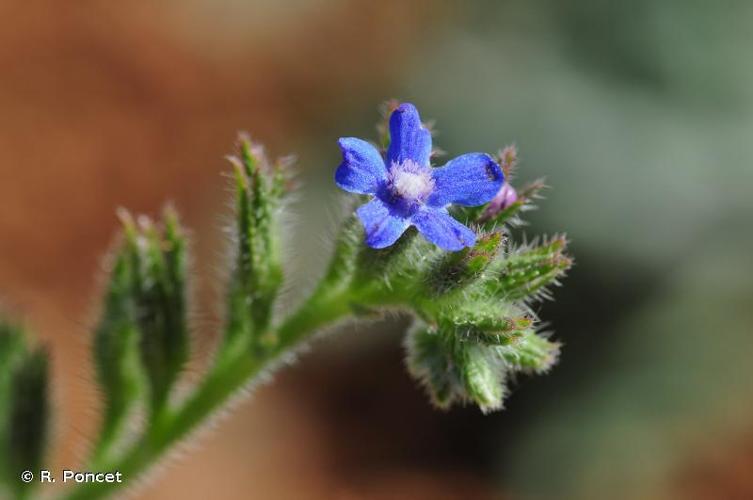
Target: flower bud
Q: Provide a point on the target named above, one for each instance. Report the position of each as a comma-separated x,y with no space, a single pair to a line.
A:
116,346
526,274
455,370
483,375
504,199
475,316
24,407
531,352
12,351
508,203
458,269
429,361
158,263
257,276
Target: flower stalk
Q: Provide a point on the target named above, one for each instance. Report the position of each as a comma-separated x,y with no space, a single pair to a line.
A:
432,242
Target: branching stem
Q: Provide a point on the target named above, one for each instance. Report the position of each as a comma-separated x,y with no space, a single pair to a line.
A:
227,377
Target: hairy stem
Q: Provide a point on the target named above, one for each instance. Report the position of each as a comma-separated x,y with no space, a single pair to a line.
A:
228,376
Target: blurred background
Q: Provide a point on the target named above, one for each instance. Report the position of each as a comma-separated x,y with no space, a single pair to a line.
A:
639,114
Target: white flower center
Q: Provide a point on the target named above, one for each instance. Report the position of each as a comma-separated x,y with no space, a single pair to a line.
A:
411,181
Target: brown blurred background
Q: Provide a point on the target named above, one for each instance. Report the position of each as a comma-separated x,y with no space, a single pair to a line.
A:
640,117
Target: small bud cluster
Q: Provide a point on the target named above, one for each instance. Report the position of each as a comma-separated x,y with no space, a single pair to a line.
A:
474,326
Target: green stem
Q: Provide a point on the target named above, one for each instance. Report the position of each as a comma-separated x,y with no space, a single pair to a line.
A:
227,377
111,431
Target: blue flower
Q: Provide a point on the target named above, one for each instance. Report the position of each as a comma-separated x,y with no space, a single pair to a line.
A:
408,191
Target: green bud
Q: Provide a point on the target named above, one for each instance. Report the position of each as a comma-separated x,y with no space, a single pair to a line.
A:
530,352
116,349
482,318
483,375
402,261
258,276
455,370
429,361
158,263
454,270
12,351
527,273
24,410
12,347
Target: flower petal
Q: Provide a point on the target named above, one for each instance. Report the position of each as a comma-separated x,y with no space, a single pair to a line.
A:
471,179
409,140
441,229
362,168
381,226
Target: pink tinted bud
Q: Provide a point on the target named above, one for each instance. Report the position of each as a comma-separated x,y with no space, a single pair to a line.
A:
503,199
